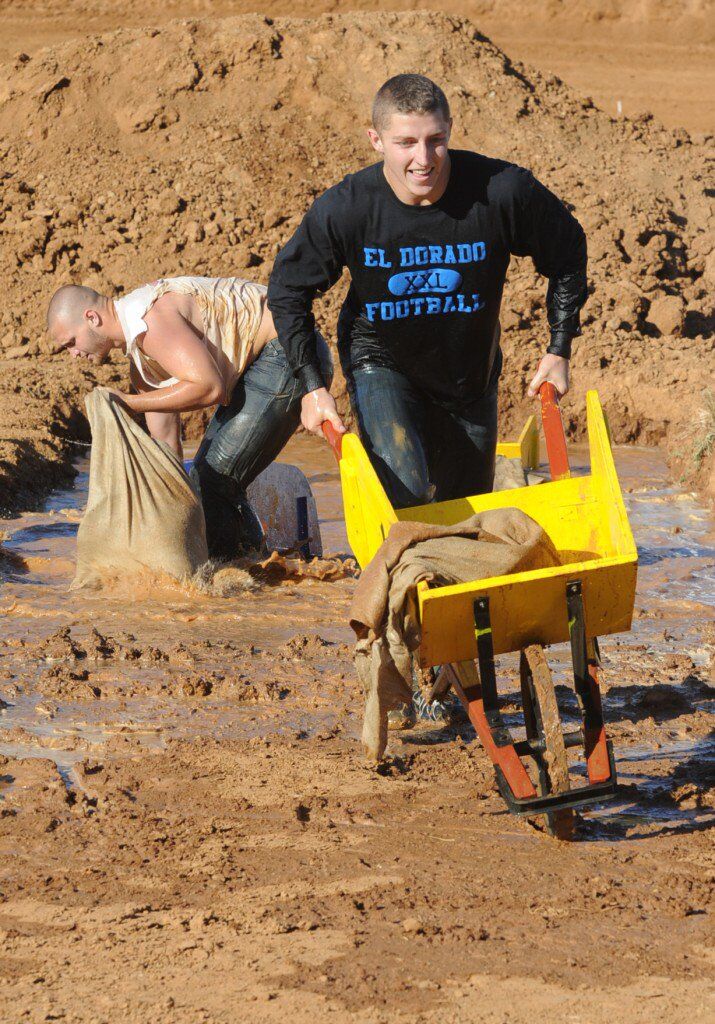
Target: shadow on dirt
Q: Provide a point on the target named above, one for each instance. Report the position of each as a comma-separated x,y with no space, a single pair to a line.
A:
665,791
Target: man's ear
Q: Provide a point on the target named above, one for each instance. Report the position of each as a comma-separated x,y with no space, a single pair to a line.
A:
375,140
93,317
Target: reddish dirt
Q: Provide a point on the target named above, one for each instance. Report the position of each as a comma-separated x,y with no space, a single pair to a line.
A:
281,872
188,831
649,55
311,887
187,824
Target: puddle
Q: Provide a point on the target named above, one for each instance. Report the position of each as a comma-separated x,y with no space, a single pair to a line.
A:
42,549
658,792
142,701
65,761
145,702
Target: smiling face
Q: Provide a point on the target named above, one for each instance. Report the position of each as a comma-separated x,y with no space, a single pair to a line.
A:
416,157
83,340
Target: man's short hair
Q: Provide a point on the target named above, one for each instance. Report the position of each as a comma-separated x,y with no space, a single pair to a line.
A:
69,303
407,94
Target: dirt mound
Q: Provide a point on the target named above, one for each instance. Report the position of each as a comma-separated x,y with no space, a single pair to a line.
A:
656,18
649,12
198,146
629,55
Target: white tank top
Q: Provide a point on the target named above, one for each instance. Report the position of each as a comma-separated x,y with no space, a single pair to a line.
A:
231,311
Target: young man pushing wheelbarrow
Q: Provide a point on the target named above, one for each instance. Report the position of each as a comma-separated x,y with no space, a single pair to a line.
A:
427,234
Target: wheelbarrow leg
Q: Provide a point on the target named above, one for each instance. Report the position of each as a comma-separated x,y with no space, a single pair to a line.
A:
512,777
586,663
478,694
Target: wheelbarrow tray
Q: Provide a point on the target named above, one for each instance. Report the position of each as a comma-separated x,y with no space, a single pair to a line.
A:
584,517
368,512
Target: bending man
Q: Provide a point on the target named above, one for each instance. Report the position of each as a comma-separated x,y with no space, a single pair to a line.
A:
194,342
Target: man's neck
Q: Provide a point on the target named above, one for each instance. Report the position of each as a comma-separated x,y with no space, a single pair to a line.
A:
114,327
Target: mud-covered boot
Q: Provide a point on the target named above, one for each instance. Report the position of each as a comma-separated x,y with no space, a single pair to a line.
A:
402,717
440,712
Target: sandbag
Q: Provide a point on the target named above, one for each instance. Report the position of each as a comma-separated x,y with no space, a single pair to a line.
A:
384,612
508,474
142,512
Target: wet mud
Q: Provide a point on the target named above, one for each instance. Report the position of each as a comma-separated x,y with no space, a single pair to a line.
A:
182,789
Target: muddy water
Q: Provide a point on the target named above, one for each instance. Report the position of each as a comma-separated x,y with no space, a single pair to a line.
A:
44,543
174,662
165,662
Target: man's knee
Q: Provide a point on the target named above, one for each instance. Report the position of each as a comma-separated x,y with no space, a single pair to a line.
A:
232,527
399,462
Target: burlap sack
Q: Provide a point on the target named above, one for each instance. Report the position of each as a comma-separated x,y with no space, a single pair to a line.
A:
384,611
142,512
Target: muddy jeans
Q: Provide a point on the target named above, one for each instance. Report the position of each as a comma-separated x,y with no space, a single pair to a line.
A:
242,439
421,450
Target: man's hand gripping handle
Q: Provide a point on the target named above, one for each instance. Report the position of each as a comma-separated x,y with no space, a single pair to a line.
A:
318,407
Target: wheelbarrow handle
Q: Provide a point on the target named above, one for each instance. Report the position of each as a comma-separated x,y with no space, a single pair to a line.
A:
554,432
334,439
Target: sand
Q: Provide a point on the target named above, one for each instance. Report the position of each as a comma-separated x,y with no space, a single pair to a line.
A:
188,831
649,56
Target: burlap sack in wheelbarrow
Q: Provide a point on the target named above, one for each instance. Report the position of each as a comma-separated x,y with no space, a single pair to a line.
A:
384,613
142,512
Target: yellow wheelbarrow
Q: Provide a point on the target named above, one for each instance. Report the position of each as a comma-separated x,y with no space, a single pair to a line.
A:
591,593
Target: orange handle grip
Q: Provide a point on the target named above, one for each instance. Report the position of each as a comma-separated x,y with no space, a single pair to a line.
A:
554,432
334,439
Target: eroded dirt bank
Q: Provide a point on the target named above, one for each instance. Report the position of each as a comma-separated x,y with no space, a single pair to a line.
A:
197,146
188,831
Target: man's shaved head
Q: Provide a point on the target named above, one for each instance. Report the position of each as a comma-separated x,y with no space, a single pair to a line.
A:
69,304
82,322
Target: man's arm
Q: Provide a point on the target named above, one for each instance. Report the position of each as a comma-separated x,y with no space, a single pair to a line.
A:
310,263
174,345
163,426
166,427
545,230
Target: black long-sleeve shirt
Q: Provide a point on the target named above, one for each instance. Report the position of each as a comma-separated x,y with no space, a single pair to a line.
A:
427,281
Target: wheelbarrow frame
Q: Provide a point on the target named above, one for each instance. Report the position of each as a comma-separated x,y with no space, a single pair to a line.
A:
593,592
